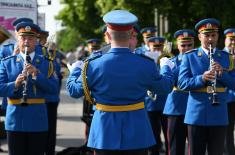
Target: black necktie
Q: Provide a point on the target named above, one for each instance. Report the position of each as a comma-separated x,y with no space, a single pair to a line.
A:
28,59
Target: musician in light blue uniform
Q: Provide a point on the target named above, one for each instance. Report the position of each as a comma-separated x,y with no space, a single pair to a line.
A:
155,102
8,49
52,100
26,120
11,48
94,46
176,102
229,140
206,112
118,82
147,33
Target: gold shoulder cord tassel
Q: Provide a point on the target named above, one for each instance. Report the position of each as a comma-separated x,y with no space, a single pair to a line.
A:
51,65
85,86
231,63
50,69
44,51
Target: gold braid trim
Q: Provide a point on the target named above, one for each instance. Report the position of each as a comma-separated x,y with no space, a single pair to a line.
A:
44,52
231,64
51,58
85,86
50,69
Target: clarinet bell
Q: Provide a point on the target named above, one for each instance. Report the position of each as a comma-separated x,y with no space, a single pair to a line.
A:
215,101
24,102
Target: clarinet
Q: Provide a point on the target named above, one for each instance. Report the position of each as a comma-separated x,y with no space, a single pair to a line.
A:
214,82
25,83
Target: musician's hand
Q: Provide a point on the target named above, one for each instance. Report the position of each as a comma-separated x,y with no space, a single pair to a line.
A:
208,76
218,68
31,69
20,78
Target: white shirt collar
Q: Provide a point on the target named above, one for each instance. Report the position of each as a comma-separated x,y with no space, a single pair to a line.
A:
207,51
226,49
146,46
32,54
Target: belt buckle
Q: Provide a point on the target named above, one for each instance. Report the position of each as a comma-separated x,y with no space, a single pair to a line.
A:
210,89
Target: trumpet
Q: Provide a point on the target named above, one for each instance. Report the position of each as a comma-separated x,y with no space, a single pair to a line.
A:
25,83
212,88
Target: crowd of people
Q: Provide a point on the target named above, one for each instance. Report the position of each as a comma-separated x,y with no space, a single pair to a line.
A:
187,98
131,94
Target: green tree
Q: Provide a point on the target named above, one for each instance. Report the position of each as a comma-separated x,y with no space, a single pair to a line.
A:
82,19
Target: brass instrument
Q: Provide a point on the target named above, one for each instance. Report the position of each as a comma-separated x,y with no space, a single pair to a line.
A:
168,48
212,89
25,83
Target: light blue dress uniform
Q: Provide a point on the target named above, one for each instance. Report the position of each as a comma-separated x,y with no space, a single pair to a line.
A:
146,32
231,93
159,103
200,110
56,66
113,82
32,118
6,50
142,49
95,54
160,99
176,102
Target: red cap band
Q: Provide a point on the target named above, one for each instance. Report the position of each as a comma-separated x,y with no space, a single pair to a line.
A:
120,27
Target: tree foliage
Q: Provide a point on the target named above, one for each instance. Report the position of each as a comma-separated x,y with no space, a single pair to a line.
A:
82,19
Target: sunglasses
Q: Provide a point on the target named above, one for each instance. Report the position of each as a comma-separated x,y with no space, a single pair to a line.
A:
188,45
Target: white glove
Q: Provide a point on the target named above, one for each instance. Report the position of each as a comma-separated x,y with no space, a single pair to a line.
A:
166,61
153,55
77,64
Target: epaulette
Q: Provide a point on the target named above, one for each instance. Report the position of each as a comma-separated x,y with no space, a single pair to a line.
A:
174,57
8,45
8,57
231,61
225,52
144,56
93,58
192,50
